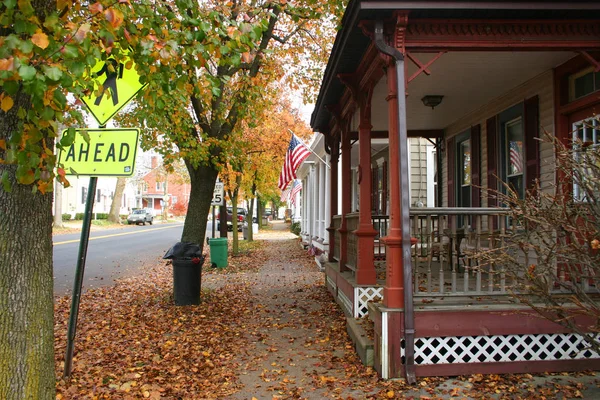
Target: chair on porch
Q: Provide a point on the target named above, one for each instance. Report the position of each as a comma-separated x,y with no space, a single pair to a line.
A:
475,244
439,247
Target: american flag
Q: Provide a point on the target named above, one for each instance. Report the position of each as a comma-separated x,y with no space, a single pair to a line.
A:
285,195
295,189
516,157
295,155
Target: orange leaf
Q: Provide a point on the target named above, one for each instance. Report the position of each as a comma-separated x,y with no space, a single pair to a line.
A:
96,8
43,187
246,57
40,39
7,103
114,17
7,64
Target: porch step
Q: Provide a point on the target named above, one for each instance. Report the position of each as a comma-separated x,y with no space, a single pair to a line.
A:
362,343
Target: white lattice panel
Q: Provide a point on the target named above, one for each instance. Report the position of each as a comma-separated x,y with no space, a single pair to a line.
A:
331,283
500,348
346,303
362,297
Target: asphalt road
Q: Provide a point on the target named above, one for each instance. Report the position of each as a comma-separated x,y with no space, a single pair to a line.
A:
113,253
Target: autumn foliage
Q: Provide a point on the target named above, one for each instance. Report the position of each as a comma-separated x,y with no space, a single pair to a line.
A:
267,328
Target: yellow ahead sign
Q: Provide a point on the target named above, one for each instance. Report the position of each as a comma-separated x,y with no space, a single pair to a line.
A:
109,152
116,82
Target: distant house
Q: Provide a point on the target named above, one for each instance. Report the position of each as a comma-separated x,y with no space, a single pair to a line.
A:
157,190
146,189
74,197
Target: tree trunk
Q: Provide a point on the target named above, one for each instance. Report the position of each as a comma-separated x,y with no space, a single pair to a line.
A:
202,182
115,207
26,282
223,221
235,246
249,219
58,221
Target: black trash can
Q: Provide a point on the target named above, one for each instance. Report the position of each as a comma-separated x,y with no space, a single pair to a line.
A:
187,275
187,262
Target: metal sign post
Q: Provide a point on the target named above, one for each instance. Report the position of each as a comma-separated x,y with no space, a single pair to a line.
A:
78,282
104,152
213,222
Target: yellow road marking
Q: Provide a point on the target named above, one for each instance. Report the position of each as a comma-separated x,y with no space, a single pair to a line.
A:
115,234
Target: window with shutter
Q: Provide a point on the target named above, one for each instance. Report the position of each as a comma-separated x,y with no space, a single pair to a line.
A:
586,139
512,156
451,172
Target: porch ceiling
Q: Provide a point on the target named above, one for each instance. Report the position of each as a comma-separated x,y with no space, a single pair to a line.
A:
467,71
467,80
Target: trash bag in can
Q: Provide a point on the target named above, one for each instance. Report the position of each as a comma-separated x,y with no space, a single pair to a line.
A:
187,272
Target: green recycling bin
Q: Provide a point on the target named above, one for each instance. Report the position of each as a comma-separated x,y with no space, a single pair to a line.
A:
218,252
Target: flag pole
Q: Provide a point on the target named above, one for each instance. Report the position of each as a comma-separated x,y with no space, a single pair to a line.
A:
309,149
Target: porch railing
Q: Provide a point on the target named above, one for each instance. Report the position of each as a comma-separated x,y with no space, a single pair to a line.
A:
446,259
454,252
352,254
337,223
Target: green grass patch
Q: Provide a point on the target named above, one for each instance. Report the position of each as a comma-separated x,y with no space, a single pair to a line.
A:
245,246
102,222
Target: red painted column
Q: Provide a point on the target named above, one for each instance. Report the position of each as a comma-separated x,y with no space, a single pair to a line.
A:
346,199
365,234
393,290
333,197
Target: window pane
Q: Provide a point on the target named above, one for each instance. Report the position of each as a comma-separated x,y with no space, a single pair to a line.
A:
584,85
586,137
465,152
514,138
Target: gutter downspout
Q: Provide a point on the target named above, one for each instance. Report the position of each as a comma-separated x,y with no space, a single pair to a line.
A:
409,325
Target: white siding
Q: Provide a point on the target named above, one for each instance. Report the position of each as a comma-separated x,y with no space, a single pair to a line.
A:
541,86
418,170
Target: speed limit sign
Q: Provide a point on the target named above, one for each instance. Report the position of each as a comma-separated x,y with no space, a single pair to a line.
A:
217,199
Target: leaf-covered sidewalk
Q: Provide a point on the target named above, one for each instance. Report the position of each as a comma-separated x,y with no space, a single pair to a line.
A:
266,329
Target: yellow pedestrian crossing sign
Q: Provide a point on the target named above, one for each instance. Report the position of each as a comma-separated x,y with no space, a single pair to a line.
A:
116,82
101,152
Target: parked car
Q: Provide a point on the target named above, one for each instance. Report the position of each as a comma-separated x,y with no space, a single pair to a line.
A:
140,216
241,216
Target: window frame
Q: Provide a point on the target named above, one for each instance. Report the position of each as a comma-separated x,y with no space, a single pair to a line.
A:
571,95
463,199
505,118
580,146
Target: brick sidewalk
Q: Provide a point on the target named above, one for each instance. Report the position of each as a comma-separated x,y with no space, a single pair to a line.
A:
298,347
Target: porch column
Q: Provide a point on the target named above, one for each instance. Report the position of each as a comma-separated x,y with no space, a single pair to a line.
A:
346,199
393,291
314,213
302,212
297,212
307,209
365,234
326,201
307,201
322,168
333,197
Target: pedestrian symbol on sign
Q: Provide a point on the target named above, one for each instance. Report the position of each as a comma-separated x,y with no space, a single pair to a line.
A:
116,81
113,71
